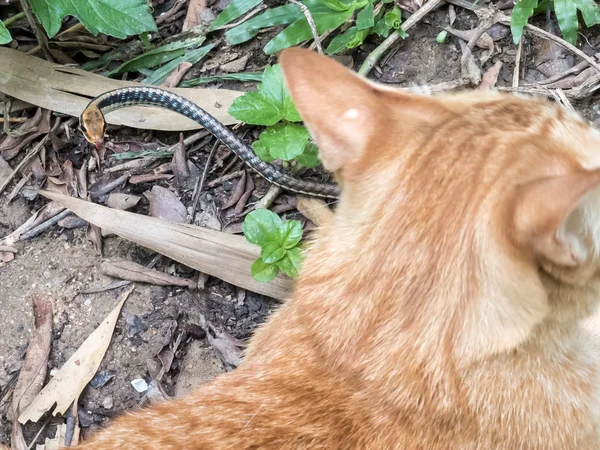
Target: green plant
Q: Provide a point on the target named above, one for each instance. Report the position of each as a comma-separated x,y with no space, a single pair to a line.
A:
118,18
367,23
279,244
328,15
566,13
272,106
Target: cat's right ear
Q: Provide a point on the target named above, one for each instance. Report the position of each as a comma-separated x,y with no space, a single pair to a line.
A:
540,216
343,112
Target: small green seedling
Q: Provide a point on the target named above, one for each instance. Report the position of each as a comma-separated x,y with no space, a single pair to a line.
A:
442,36
279,244
566,13
368,22
272,106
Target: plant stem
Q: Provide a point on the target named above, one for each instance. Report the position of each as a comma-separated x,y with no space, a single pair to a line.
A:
376,54
37,30
12,19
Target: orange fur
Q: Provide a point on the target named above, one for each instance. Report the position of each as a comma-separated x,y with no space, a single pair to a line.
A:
441,309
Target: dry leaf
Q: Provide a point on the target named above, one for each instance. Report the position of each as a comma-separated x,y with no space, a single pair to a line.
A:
177,75
165,204
248,189
128,270
215,253
314,209
77,372
237,192
67,90
490,77
122,201
33,373
193,18
94,235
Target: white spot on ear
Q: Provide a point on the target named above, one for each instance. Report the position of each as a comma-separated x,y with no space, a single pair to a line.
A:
352,113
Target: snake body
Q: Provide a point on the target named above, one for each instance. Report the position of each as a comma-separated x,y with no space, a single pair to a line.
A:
93,124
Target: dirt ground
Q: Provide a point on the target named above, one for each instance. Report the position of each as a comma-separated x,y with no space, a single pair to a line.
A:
61,263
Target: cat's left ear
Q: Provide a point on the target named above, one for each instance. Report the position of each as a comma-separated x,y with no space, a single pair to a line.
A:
541,210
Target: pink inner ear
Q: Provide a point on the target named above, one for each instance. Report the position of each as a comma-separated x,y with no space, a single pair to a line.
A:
541,209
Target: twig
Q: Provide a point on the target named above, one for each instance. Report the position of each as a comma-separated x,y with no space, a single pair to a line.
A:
200,183
376,54
311,24
14,119
37,30
12,19
505,20
224,178
22,164
515,80
44,225
251,14
267,200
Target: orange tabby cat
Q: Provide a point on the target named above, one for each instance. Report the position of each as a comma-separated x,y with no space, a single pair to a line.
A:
441,309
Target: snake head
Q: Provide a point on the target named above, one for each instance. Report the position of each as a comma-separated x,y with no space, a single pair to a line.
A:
93,125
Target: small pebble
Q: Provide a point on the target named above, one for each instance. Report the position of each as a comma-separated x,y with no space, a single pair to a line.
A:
107,403
140,385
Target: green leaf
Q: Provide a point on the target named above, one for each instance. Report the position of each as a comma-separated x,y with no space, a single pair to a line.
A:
566,14
281,15
254,109
241,76
234,10
521,13
272,252
340,42
291,262
300,31
590,12
382,28
441,37
261,151
393,18
338,5
263,272
5,36
272,86
261,226
284,141
358,38
291,234
365,18
118,18
310,156
158,56
192,56
269,105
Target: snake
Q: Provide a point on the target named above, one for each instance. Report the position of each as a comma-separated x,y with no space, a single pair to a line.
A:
93,125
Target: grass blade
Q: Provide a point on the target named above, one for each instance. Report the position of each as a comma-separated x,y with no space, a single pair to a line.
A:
234,10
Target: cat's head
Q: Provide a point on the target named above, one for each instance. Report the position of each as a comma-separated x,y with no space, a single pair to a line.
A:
499,187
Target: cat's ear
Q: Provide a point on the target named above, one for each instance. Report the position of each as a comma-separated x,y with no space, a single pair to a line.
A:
541,211
342,111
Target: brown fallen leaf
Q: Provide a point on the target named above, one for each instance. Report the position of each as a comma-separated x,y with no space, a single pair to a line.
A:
177,75
94,235
230,354
193,18
68,90
215,253
314,209
237,192
33,372
128,270
77,372
165,204
122,201
490,77
248,189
